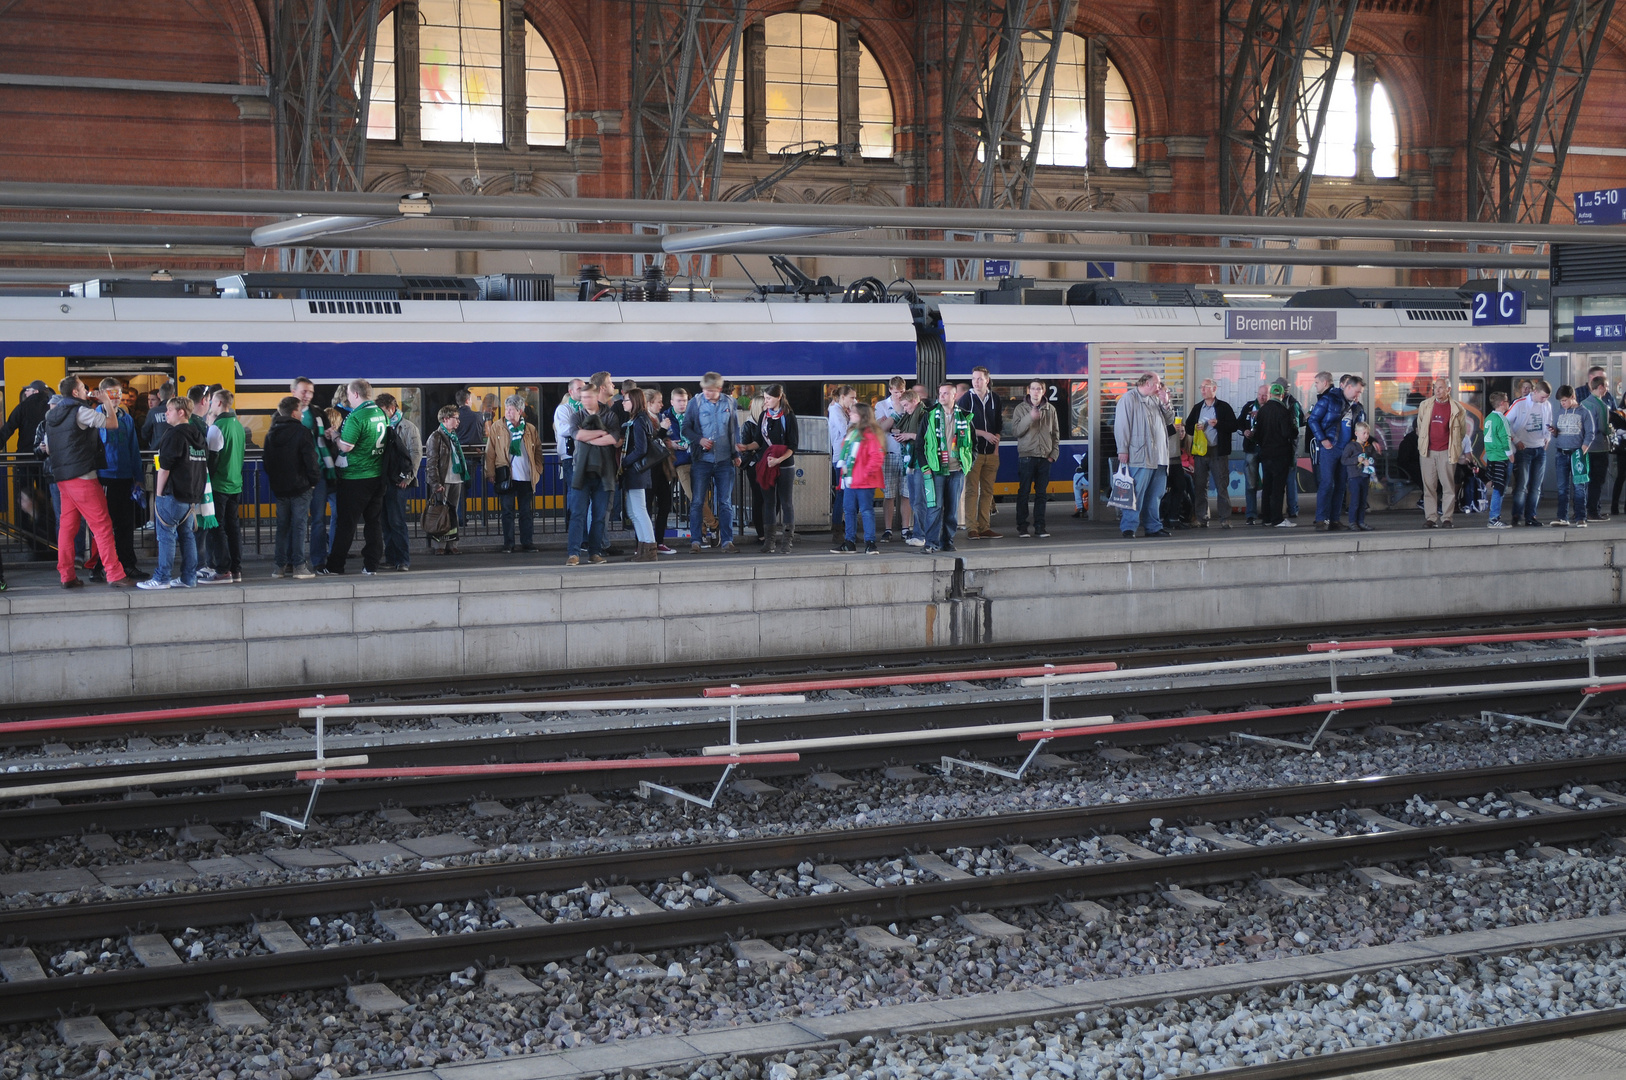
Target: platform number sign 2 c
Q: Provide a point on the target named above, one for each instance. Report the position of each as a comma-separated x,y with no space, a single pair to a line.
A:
1498,308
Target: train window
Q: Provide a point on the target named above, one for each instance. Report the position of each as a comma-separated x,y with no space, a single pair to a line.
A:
1238,373
1402,380
255,410
1120,369
1075,418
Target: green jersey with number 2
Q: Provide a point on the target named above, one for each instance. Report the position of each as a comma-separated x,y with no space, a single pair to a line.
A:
364,429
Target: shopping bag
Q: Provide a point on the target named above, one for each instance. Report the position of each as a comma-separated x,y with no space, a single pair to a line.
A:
1123,489
1199,443
437,518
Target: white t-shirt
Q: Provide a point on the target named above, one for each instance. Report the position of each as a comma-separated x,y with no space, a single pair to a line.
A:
1527,421
887,410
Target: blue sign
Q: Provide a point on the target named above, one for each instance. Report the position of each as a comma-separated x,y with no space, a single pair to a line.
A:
1498,308
1502,358
1611,328
1100,270
995,268
1605,207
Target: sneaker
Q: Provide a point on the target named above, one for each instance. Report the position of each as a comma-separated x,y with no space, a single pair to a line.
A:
1042,535
403,566
205,574
303,572
1287,523
237,577
574,560
1321,526
368,573
915,541
1600,516
886,536
215,578
908,533
1558,523
694,549
949,547
1532,523
1021,534
1445,523
522,547
729,549
1129,534
1430,523
1250,521
508,549
324,571
989,534
871,549
837,547
282,572
596,559
662,549
1364,527
848,549
152,583
928,550
1497,523
1580,524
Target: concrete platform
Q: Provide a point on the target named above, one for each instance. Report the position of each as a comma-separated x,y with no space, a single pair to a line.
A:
515,614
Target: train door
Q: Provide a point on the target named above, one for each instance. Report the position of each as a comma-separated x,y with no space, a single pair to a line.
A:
22,487
1403,380
1238,374
1114,370
1581,362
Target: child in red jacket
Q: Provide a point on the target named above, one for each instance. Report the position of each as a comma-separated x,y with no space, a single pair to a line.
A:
860,456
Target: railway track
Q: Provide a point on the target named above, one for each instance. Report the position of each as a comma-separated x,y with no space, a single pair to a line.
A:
852,900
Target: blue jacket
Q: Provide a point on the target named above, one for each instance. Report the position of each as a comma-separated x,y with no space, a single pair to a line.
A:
123,451
1329,419
718,422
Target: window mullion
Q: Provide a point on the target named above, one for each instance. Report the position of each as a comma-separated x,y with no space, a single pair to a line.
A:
513,75
847,121
1095,102
1366,76
409,114
755,86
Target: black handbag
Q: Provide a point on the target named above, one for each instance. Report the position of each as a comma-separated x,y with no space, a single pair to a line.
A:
504,482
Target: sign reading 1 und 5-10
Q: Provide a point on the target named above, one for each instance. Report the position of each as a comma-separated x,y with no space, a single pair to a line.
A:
1605,207
1498,308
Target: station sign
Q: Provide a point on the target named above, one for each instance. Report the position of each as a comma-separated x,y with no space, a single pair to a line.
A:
1608,328
995,268
1498,308
1280,324
1603,207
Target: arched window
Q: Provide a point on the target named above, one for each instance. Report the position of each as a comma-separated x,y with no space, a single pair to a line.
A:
1352,114
802,95
462,54
1065,139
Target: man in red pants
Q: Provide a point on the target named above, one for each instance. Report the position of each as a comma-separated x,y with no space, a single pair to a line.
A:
74,450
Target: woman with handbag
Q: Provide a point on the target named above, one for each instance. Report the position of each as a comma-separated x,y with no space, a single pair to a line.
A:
513,465
776,470
642,451
447,472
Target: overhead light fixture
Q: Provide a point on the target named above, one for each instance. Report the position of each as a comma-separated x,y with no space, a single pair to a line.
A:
415,204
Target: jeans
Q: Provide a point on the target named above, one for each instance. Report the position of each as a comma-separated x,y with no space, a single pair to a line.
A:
635,501
1252,481
359,501
708,476
856,503
397,546
324,499
169,512
1496,479
1292,486
292,528
1529,462
779,501
566,469
1149,485
84,500
1032,473
226,542
941,519
979,491
1081,484
1571,496
1357,500
837,501
520,502
1329,491
589,506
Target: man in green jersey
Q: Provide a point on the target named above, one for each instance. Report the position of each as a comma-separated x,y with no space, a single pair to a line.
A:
361,481
226,474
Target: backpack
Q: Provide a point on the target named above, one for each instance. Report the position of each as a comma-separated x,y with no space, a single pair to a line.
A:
397,459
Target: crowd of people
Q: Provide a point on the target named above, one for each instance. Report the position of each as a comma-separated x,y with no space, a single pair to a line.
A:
1167,461
923,459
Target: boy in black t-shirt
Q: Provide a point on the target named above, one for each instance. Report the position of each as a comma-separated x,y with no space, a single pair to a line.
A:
183,463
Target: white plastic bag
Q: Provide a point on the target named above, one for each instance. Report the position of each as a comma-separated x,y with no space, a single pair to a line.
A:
1123,489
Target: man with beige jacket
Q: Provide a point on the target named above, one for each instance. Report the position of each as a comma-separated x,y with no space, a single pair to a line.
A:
1442,425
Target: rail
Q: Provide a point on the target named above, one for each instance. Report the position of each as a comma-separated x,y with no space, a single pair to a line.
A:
902,679
1463,639
188,712
897,738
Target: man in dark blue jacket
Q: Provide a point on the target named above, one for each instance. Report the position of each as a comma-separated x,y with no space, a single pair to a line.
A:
1332,425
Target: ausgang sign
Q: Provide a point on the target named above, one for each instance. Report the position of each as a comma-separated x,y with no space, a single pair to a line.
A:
1280,325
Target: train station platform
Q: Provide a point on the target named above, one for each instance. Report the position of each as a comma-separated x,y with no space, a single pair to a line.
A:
492,615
